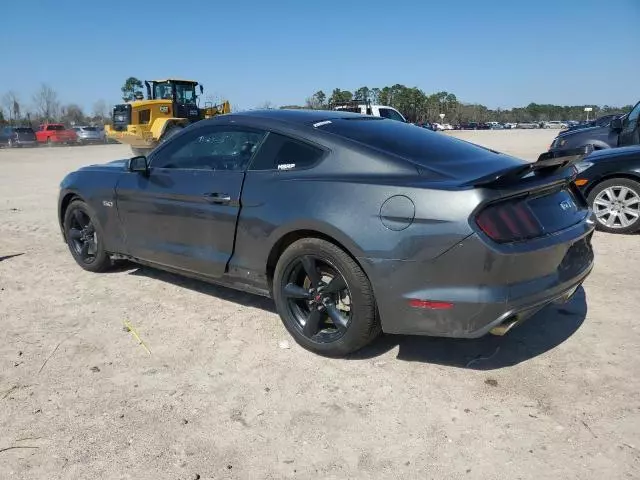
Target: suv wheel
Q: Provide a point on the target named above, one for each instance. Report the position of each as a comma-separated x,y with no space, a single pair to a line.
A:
616,204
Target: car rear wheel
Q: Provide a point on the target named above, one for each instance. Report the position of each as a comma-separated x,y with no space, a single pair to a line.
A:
616,204
324,298
85,238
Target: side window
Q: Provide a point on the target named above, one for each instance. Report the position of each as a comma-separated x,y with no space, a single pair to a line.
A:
205,149
283,153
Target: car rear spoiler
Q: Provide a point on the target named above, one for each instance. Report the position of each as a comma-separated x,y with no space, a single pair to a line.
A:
547,163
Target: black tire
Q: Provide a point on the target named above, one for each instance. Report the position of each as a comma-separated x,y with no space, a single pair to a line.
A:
361,326
95,258
602,192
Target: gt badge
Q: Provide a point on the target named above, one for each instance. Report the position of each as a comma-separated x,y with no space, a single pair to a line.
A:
107,203
164,109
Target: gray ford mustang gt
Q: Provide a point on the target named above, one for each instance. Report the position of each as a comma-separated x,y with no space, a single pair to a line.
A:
353,224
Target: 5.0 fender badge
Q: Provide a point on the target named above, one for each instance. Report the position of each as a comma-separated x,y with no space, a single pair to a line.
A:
107,203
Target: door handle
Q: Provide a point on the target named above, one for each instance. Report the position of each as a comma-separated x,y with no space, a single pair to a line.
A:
218,197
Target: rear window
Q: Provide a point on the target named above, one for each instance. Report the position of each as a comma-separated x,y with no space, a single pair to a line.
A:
89,129
55,127
420,145
23,130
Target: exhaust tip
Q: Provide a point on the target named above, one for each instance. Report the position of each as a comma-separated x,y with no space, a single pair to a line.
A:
505,326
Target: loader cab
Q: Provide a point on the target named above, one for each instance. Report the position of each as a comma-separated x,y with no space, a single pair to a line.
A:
180,94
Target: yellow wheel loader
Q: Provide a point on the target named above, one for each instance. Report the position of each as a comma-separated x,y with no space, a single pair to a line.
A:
170,105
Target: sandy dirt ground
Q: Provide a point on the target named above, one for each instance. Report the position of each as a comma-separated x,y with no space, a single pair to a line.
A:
225,393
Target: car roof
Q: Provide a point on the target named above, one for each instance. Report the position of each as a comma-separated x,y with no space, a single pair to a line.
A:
298,116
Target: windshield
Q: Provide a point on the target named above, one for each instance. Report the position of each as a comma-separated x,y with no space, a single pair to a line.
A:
23,130
185,93
162,91
55,127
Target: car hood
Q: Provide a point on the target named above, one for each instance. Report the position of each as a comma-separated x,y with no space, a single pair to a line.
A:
610,154
584,131
109,166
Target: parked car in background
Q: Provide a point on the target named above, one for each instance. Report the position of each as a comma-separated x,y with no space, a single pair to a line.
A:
18,137
556,124
610,180
617,132
89,135
408,211
56,133
527,125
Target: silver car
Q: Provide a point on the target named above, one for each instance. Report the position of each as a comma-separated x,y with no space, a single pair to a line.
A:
87,134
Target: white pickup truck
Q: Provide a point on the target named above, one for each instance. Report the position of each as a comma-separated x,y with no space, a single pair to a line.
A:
369,109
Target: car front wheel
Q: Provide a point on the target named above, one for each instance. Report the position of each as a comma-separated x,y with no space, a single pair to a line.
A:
616,204
324,298
84,238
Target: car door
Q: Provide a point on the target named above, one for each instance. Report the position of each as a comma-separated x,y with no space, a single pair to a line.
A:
630,133
182,213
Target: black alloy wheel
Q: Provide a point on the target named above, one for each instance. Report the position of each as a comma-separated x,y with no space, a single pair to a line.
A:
318,298
324,298
84,238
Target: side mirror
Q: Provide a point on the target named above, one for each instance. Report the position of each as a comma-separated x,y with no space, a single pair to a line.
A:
139,164
616,124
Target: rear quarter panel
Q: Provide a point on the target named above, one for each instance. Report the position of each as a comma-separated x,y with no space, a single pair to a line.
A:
347,209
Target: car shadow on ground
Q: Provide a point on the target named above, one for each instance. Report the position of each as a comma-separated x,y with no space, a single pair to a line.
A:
544,331
218,291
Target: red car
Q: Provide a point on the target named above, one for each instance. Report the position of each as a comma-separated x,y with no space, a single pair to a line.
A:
51,133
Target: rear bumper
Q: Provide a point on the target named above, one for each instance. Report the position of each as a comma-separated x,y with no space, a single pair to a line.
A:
482,287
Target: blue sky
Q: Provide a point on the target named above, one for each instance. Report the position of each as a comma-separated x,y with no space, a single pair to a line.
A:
501,53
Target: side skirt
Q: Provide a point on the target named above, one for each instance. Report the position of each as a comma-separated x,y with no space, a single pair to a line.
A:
223,281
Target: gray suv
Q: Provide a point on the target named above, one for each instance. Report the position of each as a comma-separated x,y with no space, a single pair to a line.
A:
88,135
620,132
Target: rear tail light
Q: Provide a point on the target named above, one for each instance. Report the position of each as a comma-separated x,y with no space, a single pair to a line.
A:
509,222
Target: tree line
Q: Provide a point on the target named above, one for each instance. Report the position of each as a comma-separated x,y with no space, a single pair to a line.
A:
418,106
414,103
46,107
